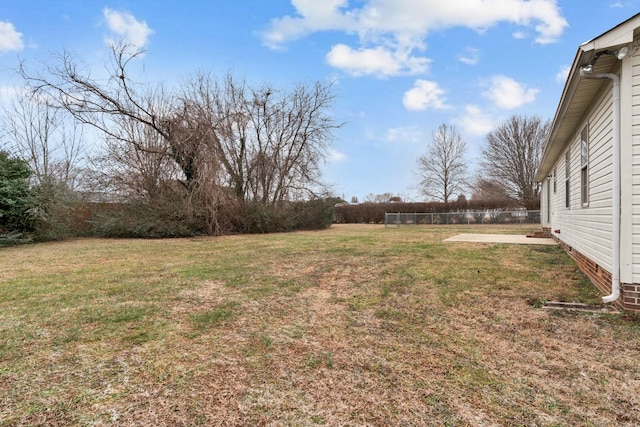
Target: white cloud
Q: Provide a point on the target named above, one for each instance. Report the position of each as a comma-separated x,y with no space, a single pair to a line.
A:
519,35
312,16
335,156
127,28
563,74
378,61
424,94
620,5
417,17
471,56
507,93
389,31
475,121
10,39
410,134
7,93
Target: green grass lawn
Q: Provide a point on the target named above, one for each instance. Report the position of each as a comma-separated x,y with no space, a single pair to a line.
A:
355,325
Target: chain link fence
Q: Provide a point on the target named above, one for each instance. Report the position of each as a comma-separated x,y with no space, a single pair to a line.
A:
397,219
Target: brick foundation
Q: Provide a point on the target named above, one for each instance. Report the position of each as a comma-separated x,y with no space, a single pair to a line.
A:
601,278
543,233
631,297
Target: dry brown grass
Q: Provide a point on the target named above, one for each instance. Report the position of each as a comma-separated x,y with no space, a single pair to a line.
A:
356,325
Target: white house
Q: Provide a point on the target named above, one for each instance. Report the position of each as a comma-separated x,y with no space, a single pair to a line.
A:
590,167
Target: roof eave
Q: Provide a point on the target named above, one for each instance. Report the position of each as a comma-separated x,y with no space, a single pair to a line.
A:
620,35
551,146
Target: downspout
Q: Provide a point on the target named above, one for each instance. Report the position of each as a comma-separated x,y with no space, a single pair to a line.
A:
615,273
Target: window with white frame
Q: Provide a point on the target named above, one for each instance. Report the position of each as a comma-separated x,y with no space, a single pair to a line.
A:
584,166
567,174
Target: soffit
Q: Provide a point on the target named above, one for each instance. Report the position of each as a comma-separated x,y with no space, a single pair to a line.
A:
579,93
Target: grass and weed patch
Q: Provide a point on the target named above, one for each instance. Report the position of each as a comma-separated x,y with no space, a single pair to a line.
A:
321,359
356,325
214,316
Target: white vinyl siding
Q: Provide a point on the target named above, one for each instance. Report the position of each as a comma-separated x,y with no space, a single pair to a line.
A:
547,204
584,166
567,179
635,168
588,229
586,225
545,201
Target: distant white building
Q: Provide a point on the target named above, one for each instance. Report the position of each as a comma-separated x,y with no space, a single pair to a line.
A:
590,167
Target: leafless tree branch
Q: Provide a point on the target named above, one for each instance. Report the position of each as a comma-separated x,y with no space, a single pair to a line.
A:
443,168
512,155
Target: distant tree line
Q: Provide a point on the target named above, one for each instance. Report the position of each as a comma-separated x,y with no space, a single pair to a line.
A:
214,156
504,181
373,213
507,170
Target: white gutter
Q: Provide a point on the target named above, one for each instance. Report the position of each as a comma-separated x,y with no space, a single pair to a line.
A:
615,273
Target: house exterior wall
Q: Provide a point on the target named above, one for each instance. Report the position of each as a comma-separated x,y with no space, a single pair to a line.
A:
587,227
584,230
545,202
633,170
544,217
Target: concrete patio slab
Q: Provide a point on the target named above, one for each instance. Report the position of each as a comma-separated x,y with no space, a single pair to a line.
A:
500,238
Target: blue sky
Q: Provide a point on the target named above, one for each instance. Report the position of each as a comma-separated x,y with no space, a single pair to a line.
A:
400,67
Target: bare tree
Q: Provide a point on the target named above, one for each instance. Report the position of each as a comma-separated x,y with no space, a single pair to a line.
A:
51,143
379,198
106,104
221,107
443,169
512,155
270,142
258,145
291,132
488,190
47,138
139,170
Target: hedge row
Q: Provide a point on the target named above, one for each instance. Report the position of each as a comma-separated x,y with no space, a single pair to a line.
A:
373,213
